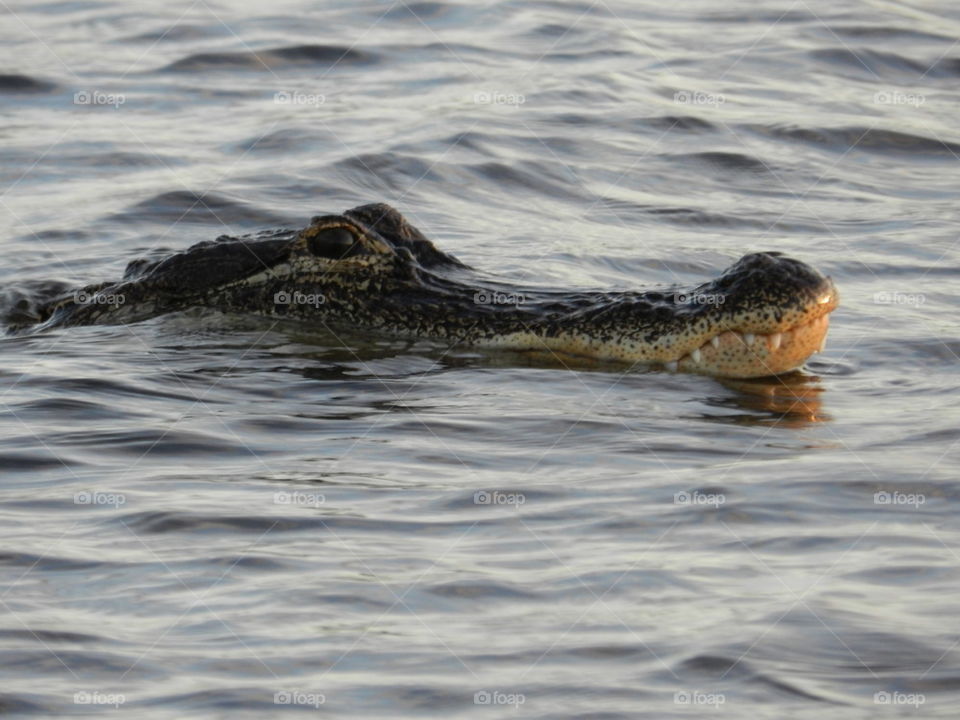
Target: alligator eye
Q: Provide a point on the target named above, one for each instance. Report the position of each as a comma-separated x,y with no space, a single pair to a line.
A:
334,243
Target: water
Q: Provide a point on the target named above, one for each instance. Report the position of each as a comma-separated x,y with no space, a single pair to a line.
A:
210,516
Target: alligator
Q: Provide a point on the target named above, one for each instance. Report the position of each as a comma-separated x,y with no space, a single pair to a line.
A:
370,268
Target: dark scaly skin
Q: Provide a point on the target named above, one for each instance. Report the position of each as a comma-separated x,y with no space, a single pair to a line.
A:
369,268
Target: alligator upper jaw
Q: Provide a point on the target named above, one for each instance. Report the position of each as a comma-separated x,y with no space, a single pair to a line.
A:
740,343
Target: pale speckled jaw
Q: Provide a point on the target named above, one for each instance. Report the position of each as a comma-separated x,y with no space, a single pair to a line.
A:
744,355
762,349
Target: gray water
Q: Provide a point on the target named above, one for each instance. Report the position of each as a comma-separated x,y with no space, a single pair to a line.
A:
209,516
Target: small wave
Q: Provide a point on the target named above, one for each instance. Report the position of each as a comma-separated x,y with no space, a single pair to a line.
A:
590,54
220,702
388,171
882,32
945,67
677,122
782,686
725,161
24,84
418,12
717,664
486,591
178,33
288,139
170,521
748,14
874,63
11,704
55,235
94,156
864,139
189,207
479,142
40,563
736,666
29,461
273,59
157,442
693,216
161,521
445,50
62,408
557,30
113,388
51,636
608,652
528,176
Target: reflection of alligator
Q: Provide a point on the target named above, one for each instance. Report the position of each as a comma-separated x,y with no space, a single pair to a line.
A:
370,268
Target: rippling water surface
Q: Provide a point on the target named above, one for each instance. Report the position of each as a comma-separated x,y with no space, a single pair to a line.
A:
212,516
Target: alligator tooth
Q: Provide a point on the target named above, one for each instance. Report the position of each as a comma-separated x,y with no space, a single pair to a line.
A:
695,355
775,341
671,366
715,341
748,338
823,343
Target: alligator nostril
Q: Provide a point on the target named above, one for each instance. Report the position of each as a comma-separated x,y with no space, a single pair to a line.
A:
333,243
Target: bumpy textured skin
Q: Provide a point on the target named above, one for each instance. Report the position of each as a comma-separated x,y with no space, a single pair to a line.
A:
370,268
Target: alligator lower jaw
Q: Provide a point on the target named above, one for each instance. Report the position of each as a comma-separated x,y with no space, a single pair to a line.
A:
743,355
729,354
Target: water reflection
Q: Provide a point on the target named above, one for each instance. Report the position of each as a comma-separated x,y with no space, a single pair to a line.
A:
791,401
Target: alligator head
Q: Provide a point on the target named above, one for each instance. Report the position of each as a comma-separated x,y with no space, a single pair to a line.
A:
370,268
